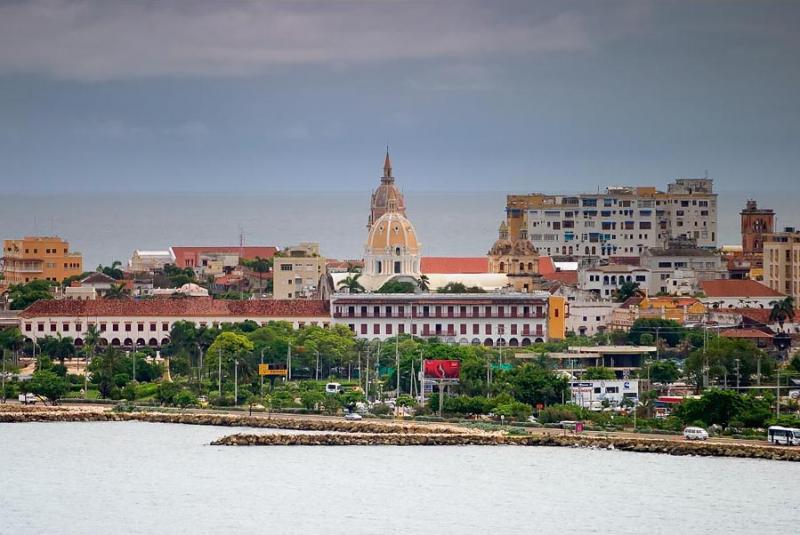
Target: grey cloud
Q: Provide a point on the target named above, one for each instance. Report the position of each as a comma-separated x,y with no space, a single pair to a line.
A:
102,40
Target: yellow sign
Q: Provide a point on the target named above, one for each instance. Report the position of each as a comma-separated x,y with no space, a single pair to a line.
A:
264,369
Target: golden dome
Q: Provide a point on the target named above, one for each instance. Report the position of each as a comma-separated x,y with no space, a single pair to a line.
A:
392,233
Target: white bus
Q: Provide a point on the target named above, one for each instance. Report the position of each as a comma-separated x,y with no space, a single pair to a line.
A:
783,435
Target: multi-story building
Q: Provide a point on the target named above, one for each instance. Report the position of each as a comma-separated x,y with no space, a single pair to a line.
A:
199,257
123,322
149,261
297,272
679,267
587,318
782,262
622,360
620,222
39,258
506,319
604,281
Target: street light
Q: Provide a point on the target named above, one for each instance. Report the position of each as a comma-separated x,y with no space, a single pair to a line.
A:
737,375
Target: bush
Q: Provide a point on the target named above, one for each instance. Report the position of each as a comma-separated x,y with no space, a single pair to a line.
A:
514,409
166,392
129,392
185,398
380,409
221,401
557,413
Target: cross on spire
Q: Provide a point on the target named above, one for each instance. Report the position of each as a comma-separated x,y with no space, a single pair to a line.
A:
387,164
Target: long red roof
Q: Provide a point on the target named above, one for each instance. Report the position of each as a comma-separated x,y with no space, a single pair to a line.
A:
188,307
737,288
248,252
454,264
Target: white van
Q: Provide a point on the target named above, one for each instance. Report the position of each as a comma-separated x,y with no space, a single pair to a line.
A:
334,388
695,433
783,435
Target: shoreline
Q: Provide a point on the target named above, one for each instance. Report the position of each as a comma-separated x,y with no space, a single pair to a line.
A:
331,432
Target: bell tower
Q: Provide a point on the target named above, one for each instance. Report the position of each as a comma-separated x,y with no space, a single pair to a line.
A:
756,222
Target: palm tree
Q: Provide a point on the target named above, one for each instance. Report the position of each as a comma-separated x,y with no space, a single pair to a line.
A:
117,291
351,284
261,266
782,310
423,283
90,341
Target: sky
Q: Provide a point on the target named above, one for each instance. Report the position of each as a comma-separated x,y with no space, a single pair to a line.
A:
512,96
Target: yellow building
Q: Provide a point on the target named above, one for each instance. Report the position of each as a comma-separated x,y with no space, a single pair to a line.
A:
39,258
782,262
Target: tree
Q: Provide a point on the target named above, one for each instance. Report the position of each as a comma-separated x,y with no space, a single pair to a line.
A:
231,347
117,291
782,310
58,347
599,374
311,398
113,270
260,266
626,290
49,385
397,287
459,288
351,284
670,331
720,361
24,295
662,371
423,283
533,384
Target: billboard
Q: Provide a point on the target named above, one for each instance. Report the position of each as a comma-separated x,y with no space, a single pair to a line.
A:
272,369
442,369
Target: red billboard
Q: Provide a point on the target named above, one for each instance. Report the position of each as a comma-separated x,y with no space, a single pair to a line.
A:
442,369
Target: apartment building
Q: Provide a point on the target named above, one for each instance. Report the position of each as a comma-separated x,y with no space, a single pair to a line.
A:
297,272
39,258
512,319
622,221
782,262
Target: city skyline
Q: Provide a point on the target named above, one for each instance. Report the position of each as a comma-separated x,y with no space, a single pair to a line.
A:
470,97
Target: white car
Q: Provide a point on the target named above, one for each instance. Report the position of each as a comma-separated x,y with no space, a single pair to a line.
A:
352,416
695,433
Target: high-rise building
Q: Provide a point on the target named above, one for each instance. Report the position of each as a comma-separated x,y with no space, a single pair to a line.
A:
39,258
622,221
782,262
296,272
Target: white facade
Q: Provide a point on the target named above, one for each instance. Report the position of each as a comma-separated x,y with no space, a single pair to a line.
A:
149,261
587,318
605,280
594,394
623,221
515,319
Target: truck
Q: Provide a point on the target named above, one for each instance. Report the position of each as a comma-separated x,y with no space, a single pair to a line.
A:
28,399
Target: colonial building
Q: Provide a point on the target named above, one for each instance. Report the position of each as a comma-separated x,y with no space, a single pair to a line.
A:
142,261
516,258
196,257
738,294
123,322
621,221
782,262
492,319
680,266
388,197
39,258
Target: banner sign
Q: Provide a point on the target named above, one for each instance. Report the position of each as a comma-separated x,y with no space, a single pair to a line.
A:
442,369
272,369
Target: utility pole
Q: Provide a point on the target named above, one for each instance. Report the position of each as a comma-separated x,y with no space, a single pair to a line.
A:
737,375
758,371
778,395
366,377
235,382
261,377
289,363
133,354
4,377
658,351
317,369
219,371
397,362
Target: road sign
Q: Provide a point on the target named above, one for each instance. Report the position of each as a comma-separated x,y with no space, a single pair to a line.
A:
271,369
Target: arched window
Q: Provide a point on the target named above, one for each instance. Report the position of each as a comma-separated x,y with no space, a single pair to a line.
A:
530,267
502,267
522,266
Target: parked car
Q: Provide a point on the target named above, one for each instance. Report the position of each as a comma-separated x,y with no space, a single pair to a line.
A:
695,433
28,399
353,416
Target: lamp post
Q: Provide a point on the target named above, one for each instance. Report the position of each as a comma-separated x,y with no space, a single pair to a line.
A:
235,383
737,375
316,372
261,377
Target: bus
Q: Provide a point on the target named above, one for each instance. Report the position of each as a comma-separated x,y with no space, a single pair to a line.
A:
783,435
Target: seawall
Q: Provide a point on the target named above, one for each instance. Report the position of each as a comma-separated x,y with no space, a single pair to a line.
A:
643,445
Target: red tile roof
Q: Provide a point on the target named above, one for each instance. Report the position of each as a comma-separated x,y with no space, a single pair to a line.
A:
454,264
567,277
546,265
248,252
737,288
186,307
758,315
744,333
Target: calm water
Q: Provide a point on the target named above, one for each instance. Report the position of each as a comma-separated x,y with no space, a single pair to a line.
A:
156,478
106,227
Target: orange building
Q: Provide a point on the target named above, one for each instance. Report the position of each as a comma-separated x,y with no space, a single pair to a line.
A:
39,258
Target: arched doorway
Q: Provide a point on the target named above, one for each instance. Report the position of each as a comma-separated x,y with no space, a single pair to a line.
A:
152,342
115,342
526,342
488,342
513,342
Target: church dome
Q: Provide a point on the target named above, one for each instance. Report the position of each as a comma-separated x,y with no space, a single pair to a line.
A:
394,234
524,248
503,245
388,197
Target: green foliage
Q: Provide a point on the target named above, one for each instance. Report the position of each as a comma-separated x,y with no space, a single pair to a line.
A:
167,392
722,407
460,288
113,270
532,384
626,290
794,364
24,295
721,355
669,331
48,384
184,398
129,392
397,287
558,413
331,405
11,339
599,374
380,409
351,284
513,409
662,371
311,398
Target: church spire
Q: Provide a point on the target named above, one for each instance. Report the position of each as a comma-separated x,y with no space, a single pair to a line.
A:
387,165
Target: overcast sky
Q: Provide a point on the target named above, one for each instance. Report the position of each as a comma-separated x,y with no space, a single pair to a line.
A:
231,95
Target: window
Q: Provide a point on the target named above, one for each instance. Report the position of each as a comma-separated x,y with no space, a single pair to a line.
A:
476,328
388,328
463,328
376,329
286,267
488,328
363,328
